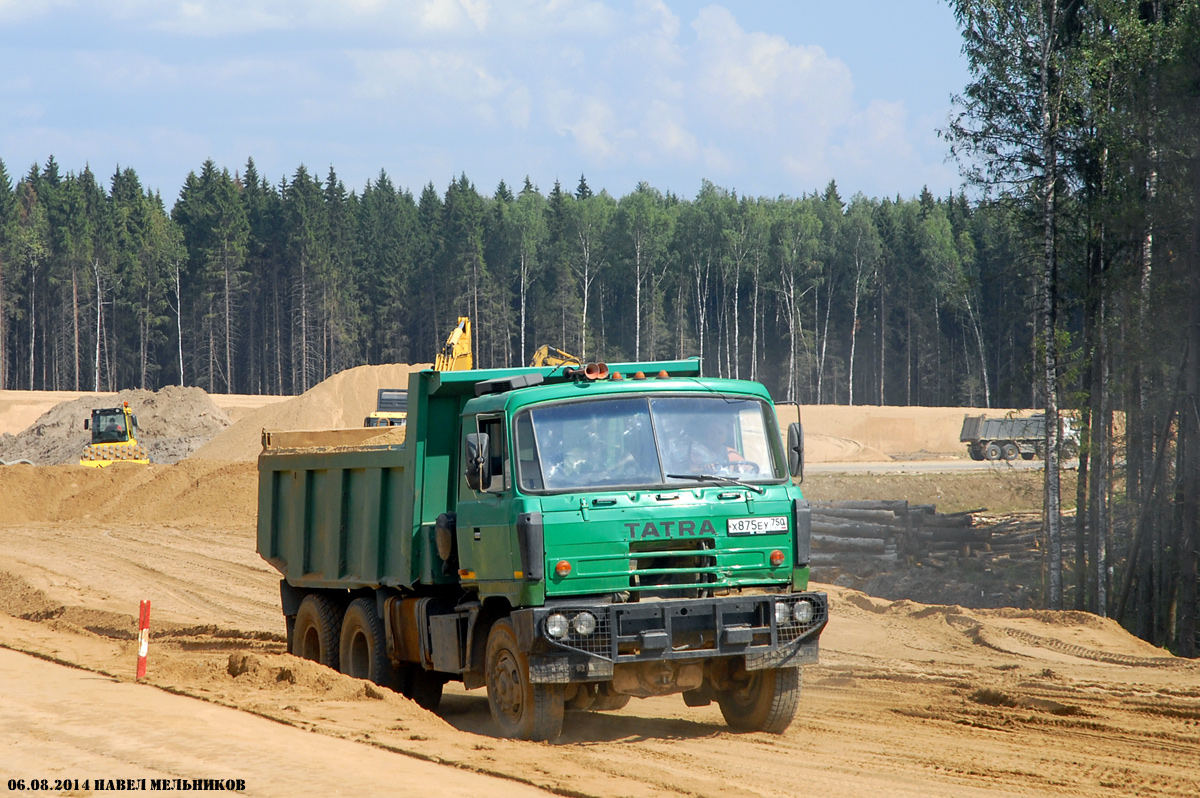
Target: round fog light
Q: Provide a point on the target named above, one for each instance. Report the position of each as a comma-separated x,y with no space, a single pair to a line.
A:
556,626
783,613
584,624
804,611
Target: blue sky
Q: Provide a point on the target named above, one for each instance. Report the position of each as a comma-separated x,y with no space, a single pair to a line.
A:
765,98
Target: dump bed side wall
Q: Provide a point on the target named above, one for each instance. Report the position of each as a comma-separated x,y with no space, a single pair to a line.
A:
981,428
336,519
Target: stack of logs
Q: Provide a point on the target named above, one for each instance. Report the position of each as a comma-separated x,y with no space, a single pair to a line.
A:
887,531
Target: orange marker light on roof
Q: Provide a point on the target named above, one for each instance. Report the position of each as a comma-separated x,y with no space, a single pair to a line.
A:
662,375
640,375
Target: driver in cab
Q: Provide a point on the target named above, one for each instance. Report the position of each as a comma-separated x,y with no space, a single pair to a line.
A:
709,450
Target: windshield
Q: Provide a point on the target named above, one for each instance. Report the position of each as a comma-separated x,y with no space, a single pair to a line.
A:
109,427
643,441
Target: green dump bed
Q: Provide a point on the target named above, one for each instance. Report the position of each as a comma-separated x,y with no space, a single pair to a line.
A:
335,516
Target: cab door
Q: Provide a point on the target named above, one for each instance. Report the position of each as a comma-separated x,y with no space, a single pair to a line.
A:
486,535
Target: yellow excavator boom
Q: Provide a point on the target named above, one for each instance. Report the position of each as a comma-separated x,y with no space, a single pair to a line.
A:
456,352
552,356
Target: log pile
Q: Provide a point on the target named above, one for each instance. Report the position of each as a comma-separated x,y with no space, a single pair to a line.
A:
886,531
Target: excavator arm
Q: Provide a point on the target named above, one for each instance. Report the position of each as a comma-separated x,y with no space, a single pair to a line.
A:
551,356
456,352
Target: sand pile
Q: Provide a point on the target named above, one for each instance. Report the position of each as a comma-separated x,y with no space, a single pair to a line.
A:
172,423
191,492
340,402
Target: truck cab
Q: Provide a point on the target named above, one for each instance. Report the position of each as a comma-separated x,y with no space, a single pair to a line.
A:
580,536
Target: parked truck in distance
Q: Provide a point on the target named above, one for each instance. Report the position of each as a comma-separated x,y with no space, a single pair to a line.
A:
1009,437
567,537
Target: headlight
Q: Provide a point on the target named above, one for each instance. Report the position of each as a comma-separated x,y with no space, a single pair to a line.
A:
584,624
556,626
803,611
783,613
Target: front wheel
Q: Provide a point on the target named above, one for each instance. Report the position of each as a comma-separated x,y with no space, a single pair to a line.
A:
523,710
765,701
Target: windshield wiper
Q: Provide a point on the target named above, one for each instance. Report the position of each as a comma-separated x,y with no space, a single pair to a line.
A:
715,478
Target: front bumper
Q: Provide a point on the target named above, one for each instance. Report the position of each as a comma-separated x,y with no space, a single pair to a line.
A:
670,629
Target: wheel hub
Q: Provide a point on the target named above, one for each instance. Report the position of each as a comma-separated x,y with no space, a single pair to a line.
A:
506,675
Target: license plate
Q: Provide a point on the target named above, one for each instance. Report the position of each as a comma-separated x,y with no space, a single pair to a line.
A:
757,526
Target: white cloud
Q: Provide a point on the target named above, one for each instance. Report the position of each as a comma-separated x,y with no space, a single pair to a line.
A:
716,161
517,107
452,16
663,126
19,10
758,81
591,122
125,72
875,135
448,74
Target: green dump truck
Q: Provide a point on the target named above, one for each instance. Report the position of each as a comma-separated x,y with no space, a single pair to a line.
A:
567,537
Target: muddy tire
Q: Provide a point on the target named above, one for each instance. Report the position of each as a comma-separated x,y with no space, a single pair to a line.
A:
362,652
523,710
597,697
1010,451
608,701
317,634
992,451
766,701
425,688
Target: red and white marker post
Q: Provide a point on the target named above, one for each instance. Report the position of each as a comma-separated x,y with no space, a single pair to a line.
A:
143,638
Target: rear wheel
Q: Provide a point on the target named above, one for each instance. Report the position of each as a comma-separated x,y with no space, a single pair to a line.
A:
523,710
764,701
1010,451
362,652
318,629
992,451
424,687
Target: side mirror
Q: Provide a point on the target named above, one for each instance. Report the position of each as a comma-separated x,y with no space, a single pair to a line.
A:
87,423
479,461
135,422
795,450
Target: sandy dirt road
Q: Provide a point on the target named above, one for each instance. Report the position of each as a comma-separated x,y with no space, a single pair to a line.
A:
64,723
909,700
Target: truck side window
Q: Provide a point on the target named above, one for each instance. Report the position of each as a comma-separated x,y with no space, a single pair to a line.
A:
494,429
527,454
